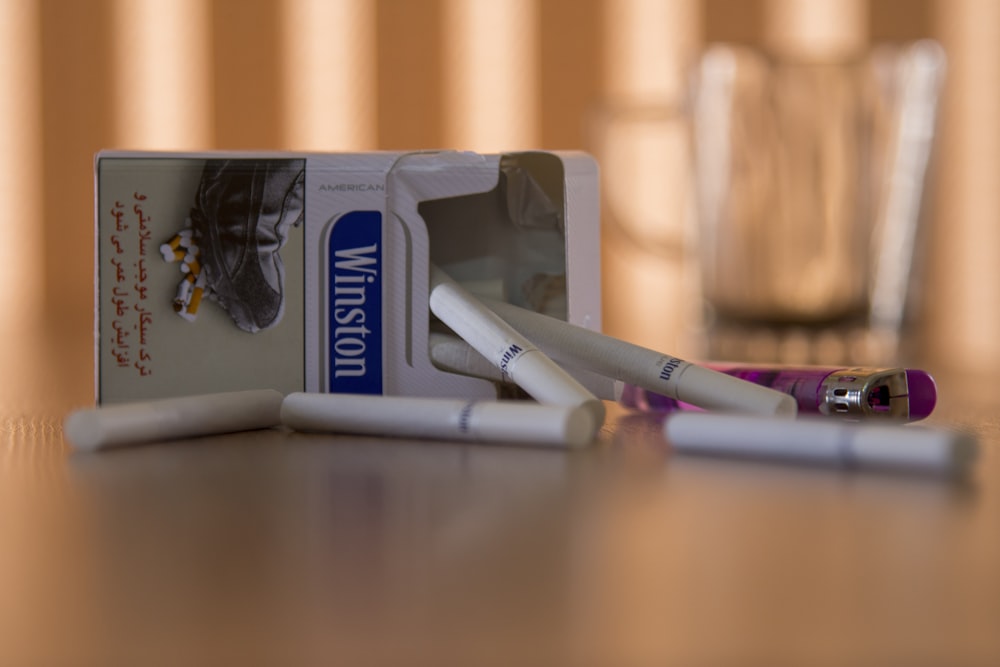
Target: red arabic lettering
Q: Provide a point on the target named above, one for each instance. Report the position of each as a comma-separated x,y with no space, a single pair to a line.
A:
121,333
142,333
144,236
121,357
119,270
143,218
130,329
118,213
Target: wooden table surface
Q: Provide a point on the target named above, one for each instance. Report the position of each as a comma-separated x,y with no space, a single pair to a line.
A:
274,548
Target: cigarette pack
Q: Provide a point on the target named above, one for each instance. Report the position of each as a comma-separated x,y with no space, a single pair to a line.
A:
299,271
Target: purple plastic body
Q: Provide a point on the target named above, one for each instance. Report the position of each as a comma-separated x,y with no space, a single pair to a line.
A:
922,392
804,384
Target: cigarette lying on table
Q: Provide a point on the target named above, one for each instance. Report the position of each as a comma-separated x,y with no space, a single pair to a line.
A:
522,422
172,418
507,349
439,418
821,441
582,348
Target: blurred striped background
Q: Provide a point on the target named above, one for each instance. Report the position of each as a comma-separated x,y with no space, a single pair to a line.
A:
77,76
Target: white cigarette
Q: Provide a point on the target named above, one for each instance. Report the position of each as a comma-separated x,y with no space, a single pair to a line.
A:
822,441
168,253
662,373
507,349
452,354
520,422
172,418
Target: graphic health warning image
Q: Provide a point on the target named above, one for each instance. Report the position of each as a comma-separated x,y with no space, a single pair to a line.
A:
200,275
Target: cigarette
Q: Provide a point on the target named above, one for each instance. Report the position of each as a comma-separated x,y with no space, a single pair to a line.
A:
183,292
821,441
171,254
191,264
452,354
172,419
521,422
175,245
189,311
576,346
507,349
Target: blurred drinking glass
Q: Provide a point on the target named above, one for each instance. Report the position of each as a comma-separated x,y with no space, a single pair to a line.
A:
809,179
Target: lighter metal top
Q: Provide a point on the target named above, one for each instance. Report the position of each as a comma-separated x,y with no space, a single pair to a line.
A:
865,391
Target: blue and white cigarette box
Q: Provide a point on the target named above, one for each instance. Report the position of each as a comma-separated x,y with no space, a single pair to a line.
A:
299,271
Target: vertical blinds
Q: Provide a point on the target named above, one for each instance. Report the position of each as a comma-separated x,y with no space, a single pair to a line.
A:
80,75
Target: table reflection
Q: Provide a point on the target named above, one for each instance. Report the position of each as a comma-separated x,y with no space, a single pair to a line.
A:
272,546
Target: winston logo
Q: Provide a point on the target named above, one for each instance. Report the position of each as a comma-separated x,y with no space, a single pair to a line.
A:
668,368
509,355
354,291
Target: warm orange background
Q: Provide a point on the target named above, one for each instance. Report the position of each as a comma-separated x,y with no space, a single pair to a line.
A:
72,79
